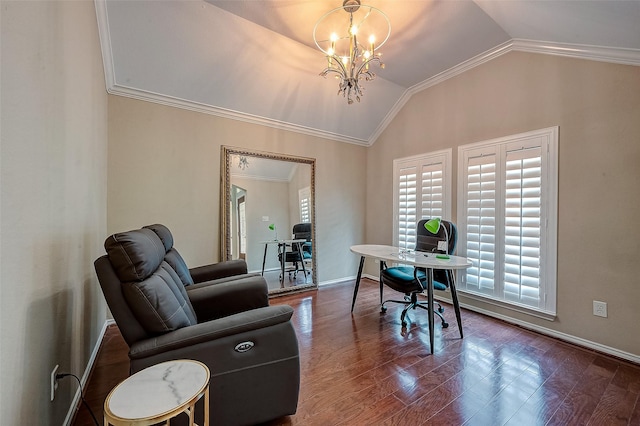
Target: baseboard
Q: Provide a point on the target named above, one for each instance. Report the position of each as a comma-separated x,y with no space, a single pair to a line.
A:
87,372
608,350
598,347
335,282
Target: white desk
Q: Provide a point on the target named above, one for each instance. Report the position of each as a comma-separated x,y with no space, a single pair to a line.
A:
159,393
282,248
429,261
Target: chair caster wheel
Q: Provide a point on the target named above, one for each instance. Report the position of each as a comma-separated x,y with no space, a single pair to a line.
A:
445,325
404,323
383,309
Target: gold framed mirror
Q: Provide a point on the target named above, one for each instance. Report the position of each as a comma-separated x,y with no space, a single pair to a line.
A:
265,195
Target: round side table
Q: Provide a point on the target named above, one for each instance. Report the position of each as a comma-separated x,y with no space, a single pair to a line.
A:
159,393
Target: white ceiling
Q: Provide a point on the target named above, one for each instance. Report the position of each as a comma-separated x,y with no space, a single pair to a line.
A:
255,60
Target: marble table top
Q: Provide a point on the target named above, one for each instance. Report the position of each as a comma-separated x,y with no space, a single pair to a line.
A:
410,257
159,389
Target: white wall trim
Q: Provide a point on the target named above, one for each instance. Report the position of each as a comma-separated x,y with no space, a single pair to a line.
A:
596,53
390,116
608,350
580,51
130,92
87,372
105,43
462,67
557,334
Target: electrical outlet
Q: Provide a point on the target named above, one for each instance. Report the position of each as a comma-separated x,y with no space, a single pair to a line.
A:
600,309
54,381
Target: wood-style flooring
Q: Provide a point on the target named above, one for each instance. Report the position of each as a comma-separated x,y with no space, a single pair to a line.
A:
365,369
290,280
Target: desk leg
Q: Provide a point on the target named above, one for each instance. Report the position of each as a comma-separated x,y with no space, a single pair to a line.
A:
383,266
282,247
430,301
355,290
264,258
454,299
304,271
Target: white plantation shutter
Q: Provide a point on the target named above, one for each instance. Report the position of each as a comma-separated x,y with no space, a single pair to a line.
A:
507,218
431,190
481,222
406,206
522,228
422,190
304,200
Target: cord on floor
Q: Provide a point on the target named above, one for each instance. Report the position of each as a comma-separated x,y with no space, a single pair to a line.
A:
62,375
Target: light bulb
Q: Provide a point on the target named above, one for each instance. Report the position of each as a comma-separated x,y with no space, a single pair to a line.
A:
334,37
354,30
372,39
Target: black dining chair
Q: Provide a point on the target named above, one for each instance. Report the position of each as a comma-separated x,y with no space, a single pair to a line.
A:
413,281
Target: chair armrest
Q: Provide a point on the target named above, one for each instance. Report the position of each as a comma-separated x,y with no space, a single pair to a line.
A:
228,298
211,330
218,270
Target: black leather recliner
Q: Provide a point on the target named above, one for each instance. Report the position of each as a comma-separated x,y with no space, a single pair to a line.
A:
210,318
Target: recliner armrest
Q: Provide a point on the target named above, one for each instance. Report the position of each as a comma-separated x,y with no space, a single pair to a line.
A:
211,330
228,298
218,270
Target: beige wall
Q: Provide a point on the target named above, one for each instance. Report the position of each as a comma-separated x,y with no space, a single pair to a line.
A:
264,198
164,166
597,108
53,219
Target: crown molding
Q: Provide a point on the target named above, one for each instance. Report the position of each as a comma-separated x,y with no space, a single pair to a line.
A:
580,51
105,43
595,53
176,102
462,67
395,109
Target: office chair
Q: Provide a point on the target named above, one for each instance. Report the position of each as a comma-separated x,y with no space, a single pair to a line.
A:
298,253
403,279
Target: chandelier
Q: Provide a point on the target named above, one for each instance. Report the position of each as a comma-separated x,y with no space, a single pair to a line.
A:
243,163
337,35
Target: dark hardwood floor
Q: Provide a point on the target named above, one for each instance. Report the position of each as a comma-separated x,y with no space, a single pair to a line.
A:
365,369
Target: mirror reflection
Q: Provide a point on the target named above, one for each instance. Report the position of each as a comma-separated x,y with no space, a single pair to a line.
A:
268,216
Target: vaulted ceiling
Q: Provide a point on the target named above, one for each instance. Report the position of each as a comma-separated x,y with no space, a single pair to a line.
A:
255,60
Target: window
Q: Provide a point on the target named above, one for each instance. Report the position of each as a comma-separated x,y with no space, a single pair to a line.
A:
507,216
422,190
304,201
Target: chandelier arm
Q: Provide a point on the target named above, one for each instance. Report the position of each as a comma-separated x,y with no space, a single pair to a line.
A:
367,62
342,71
330,70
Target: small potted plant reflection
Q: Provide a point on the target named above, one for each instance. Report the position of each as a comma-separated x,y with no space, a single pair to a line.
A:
273,228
